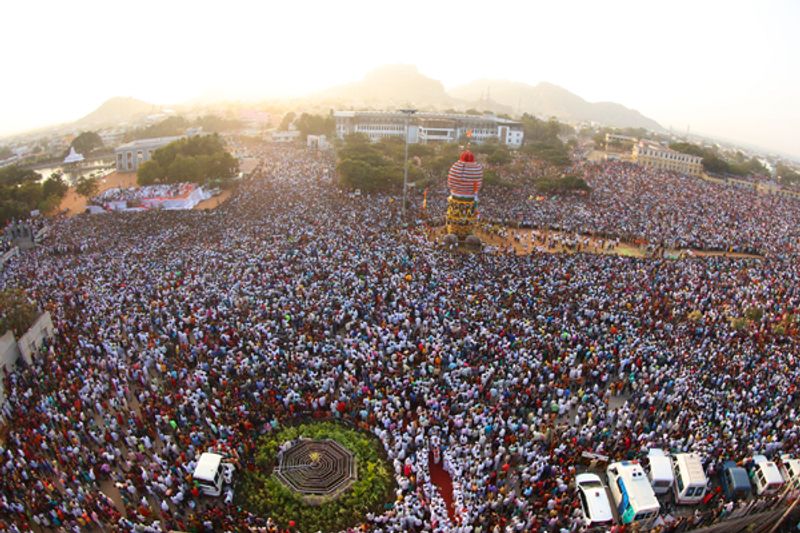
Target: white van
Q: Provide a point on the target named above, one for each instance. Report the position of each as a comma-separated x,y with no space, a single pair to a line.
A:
210,473
766,476
632,493
690,479
790,470
659,470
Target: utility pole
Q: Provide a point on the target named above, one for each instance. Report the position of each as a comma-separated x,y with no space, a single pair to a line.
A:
407,113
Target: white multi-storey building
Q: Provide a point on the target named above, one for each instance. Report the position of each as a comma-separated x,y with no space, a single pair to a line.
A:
429,127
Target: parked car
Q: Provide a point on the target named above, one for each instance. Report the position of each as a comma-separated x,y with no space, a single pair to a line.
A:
594,500
211,473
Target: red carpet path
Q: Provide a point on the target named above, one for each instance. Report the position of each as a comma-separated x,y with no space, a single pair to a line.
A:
444,483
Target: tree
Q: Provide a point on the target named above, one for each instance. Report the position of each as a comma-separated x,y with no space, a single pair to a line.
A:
362,165
786,174
392,148
221,166
500,157
488,147
288,118
168,127
566,184
216,124
184,168
542,141
716,164
21,192
86,143
17,312
196,159
447,154
5,152
11,209
50,204
87,187
55,185
688,148
13,175
29,193
491,178
420,150
315,125
150,172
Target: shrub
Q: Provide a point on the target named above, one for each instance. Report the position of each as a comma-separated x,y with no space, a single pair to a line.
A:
738,323
263,494
754,314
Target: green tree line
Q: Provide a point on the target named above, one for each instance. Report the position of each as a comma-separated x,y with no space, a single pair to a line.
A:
715,163
86,143
198,159
787,174
309,124
542,139
379,166
177,125
22,191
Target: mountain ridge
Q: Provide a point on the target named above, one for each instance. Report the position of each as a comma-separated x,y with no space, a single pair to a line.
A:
115,110
549,99
405,85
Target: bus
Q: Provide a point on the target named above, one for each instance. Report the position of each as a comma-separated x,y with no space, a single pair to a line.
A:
633,495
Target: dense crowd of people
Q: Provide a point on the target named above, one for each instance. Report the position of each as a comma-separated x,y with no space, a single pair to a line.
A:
179,332
128,194
660,208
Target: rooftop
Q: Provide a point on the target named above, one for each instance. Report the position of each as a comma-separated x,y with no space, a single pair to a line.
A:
451,116
207,466
147,143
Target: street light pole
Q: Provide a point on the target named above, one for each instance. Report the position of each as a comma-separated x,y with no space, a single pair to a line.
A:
407,113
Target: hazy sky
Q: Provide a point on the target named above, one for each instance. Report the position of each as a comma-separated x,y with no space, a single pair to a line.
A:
725,68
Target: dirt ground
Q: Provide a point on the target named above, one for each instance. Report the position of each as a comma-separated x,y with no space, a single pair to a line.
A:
214,201
74,203
526,241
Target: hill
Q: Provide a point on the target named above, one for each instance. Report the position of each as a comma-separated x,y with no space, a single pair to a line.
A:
401,85
546,99
115,111
391,84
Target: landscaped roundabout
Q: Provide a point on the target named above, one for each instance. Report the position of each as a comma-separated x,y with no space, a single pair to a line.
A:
318,476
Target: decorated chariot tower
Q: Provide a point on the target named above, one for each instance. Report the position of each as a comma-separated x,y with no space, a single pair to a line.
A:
464,182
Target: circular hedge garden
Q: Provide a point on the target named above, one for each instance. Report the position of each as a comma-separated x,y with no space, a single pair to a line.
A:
262,493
